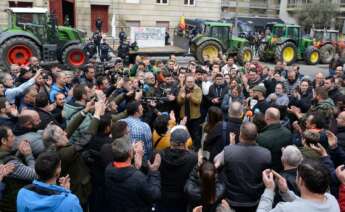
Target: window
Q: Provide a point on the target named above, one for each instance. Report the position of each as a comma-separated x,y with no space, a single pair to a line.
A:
189,2
133,1
133,23
19,4
162,1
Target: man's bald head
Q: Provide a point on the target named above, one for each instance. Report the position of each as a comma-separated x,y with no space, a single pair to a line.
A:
248,132
29,119
235,110
272,116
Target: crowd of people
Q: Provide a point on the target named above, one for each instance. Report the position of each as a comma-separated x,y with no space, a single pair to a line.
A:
157,136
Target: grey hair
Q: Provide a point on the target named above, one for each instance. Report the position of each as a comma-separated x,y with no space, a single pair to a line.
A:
292,155
121,148
49,137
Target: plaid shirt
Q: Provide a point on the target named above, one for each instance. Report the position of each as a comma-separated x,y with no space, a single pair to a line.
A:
140,131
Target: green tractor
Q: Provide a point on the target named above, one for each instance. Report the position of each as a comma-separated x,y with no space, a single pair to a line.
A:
287,44
216,38
32,32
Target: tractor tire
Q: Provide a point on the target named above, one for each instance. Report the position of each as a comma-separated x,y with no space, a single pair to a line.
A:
244,55
327,53
286,52
208,48
18,50
261,52
312,55
74,56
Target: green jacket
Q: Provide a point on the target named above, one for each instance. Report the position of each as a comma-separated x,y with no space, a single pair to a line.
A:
325,108
69,112
274,137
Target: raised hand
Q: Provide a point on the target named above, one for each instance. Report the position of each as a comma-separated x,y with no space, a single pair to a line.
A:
24,148
65,182
156,163
6,169
267,178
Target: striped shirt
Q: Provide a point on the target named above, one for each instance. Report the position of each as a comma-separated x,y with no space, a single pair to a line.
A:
140,131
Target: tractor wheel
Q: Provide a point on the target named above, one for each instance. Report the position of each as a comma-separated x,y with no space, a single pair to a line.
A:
312,55
208,49
261,52
327,53
244,55
74,56
18,50
286,52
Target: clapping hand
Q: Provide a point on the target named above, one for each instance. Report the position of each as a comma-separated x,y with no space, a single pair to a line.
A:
267,178
6,169
24,148
65,182
156,163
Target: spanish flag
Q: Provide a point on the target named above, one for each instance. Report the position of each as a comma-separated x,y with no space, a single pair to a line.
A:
182,23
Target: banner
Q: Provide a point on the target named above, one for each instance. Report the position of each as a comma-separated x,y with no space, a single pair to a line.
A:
148,36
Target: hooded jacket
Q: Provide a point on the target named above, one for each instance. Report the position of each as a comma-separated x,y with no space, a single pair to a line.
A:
175,169
60,199
70,110
128,189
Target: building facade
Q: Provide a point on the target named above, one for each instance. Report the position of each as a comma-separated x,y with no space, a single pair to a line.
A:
83,13
250,8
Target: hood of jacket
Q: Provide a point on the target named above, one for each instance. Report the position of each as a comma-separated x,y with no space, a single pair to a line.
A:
326,104
70,109
119,174
175,157
31,201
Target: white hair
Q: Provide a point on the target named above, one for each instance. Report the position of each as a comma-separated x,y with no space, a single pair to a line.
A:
292,156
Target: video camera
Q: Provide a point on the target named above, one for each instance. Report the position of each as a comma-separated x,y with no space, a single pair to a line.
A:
158,100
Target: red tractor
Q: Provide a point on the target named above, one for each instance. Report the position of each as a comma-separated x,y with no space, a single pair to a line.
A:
329,43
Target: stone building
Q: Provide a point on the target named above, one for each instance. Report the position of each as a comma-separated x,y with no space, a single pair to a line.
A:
83,13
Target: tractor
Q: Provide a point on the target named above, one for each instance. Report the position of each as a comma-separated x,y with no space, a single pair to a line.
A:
216,38
285,43
33,32
328,43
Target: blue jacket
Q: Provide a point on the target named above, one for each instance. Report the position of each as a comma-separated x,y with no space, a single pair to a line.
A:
63,200
54,90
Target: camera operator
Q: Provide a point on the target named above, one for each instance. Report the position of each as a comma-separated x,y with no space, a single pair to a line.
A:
90,48
34,64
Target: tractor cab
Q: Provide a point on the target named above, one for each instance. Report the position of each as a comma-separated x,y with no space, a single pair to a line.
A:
217,39
33,32
221,31
286,32
320,35
33,20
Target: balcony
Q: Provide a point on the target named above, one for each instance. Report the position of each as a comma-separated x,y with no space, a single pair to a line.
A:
229,3
258,4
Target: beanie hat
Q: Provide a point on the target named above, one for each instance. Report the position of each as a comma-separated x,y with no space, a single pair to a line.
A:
260,88
179,136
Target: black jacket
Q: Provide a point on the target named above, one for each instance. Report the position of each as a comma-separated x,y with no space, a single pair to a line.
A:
341,136
128,189
193,189
175,169
304,102
217,91
214,142
234,125
243,166
46,118
8,122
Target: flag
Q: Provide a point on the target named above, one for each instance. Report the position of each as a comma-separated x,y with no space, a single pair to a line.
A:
113,27
182,23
